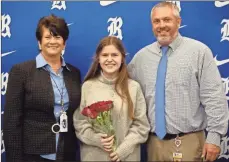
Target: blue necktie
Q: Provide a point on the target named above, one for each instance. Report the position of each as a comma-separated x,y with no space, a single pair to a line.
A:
160,95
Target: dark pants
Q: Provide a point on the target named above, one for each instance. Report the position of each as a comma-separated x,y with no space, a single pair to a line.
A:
36,158
68,157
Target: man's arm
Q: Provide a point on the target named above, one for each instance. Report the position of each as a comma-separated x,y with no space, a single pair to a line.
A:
213,99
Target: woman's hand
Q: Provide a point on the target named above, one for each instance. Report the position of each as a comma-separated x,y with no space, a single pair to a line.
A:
107,142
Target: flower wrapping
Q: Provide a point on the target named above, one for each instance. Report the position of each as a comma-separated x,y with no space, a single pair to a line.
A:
100,115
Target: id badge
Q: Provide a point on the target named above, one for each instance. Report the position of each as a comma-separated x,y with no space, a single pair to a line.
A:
63,122
177,156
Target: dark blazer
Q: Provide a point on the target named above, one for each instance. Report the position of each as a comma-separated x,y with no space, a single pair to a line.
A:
29,112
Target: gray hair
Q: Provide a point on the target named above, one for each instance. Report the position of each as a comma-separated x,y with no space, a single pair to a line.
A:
174,8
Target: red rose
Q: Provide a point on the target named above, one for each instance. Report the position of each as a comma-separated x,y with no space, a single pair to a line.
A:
89,112
103,106
94,109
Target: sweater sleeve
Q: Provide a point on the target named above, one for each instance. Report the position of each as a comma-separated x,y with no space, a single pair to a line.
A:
139,129
83,128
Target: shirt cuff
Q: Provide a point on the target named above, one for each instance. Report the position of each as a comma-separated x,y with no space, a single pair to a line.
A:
213,138
97,140
121,155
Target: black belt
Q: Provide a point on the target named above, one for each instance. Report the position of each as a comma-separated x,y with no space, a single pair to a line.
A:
170,136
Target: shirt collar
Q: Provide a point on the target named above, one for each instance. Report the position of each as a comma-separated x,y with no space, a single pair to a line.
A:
105,80
176,43
41,62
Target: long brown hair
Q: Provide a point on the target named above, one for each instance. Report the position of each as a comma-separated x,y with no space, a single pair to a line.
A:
121,83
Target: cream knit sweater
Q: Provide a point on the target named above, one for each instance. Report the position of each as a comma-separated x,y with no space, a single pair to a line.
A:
129,133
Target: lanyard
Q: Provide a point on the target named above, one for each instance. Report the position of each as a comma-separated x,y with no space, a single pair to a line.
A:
60,90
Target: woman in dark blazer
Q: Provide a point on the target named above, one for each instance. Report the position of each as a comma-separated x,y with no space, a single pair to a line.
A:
41,94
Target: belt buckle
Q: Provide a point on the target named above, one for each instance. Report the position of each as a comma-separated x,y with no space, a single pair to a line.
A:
169,136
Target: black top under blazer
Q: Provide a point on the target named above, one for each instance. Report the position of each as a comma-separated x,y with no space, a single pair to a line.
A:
29,112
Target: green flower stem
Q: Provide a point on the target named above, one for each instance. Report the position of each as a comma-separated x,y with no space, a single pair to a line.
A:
103,123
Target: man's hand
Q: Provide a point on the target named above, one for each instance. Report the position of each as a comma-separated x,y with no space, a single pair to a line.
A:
210,152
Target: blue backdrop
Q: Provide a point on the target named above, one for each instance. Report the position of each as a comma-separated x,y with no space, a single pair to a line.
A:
90,21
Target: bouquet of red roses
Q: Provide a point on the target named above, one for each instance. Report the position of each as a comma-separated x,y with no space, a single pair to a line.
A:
100,113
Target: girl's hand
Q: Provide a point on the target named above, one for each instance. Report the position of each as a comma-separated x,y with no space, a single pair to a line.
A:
107,142
114,157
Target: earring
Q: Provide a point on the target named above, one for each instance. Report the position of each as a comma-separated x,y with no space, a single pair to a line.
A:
62,53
